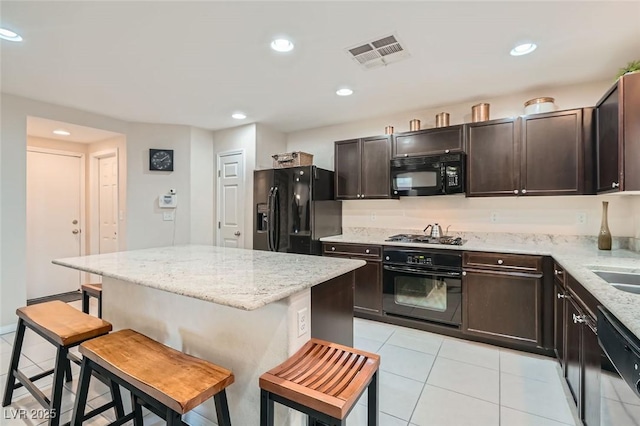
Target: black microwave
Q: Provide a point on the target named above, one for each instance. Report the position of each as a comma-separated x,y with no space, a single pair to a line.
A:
429,175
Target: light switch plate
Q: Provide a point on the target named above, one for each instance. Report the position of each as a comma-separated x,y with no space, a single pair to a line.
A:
167,216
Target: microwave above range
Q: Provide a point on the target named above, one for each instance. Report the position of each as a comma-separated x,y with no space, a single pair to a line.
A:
428,175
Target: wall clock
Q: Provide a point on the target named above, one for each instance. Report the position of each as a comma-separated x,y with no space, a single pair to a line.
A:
161,159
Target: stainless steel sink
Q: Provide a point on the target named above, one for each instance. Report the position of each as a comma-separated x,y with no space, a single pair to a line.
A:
624,281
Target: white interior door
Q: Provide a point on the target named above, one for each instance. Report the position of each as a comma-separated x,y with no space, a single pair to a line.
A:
54,198
108,203
231,200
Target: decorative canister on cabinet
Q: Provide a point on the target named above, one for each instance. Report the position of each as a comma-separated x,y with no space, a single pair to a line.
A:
388,130
539,105
414,125
442,119
479,112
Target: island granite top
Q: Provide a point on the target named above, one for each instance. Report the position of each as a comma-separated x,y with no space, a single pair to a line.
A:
579,256
240,278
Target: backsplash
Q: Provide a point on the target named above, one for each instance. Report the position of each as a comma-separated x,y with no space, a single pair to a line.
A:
560,215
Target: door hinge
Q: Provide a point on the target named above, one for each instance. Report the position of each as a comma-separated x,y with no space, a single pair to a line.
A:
218,173
218,225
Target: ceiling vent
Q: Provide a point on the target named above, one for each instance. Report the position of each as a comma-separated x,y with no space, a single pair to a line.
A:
383,51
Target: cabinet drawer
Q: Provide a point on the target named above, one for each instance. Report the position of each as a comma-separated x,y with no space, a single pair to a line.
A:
559,275
503,262
367,251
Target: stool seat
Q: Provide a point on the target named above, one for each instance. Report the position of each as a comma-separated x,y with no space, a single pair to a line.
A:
324,376
94,290
62,323
177,380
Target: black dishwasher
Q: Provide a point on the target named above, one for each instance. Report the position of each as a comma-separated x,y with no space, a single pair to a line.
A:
621,346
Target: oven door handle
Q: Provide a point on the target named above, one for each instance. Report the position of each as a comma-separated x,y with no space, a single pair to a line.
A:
422,272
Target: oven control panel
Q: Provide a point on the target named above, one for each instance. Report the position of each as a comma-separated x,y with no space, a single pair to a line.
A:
419,260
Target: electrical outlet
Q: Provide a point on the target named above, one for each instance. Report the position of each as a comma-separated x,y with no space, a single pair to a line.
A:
303,325
581,218
373,216
493,217
167,216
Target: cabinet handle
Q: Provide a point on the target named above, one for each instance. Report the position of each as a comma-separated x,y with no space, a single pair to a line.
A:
446,151
578,319
500,261
515,191
558,272
561,296
333,249
362,196
406,155
464,273
524,191
358,195
387,258
615,185
395,192
367,251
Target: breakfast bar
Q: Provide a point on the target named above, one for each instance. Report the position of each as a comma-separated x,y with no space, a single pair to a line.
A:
246,310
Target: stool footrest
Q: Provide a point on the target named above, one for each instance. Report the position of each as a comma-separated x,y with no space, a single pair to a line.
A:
123,420
98,410
35,392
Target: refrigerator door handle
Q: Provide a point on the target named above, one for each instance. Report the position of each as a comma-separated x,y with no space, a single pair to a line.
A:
270,219
276,216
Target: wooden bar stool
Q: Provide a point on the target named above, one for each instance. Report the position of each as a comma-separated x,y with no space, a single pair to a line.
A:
323,380
164,380
64,327
91,290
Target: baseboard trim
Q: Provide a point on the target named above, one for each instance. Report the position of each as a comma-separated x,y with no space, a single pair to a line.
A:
6,329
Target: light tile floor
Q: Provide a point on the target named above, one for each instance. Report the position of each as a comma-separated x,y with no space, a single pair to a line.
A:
425,380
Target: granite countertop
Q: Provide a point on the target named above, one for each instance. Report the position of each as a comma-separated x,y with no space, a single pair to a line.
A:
577,255
240,278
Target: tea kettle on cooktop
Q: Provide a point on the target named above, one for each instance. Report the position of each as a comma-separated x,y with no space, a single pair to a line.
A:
436,230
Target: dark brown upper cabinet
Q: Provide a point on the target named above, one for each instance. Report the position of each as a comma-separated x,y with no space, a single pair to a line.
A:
492,158
539,154
362,168
442,140
618,136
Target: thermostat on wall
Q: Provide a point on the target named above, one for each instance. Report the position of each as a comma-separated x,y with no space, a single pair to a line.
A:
167,201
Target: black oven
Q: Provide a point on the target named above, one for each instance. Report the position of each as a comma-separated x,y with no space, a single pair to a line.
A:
423,284
432,175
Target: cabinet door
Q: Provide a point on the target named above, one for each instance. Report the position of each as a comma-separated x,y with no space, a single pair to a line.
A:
368,288
558,323
552,158
428,142
492,158
503,306
375,157
607,131
347,169
573,371
591,363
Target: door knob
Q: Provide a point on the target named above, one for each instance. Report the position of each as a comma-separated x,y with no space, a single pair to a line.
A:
75,222
237,233
524,191
75,231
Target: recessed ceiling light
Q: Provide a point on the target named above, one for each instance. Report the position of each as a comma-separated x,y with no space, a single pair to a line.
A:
239,116
282,45
523,49
344,92
6,34
61,132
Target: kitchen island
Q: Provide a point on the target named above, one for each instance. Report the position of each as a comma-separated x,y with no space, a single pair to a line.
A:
245,310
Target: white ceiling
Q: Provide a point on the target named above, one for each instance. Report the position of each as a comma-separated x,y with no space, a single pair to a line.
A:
43,128
195,63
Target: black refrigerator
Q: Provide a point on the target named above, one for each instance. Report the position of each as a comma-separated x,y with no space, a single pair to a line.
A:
293,209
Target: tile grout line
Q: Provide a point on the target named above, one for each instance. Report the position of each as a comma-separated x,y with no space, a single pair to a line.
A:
424,385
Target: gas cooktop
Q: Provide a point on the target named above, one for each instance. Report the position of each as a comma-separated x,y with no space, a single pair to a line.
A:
425,239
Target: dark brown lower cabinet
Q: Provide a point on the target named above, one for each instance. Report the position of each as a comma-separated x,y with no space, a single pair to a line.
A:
368,288
367,296
583,360
503,306
558,322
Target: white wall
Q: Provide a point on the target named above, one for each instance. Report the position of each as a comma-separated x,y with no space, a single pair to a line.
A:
319,142
146,227
203,214
268,142
233,139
